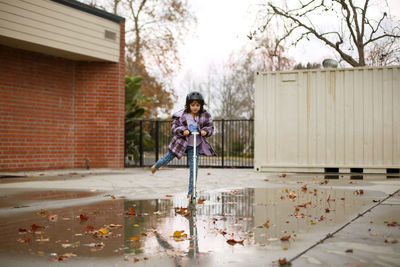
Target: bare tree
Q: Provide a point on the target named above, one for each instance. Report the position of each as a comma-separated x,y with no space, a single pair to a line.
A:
354,32
154,31
236,92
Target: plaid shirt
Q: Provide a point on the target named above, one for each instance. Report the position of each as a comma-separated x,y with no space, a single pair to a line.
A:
179,142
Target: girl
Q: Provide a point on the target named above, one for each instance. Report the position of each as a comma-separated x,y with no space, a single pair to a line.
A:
192,117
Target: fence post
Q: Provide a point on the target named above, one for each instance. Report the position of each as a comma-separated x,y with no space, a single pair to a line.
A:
141,143
157,130
223,137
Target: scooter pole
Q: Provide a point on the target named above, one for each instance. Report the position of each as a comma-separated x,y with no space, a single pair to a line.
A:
194,195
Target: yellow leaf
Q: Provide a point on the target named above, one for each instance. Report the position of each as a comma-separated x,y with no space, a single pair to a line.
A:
266,224
103,231
178,233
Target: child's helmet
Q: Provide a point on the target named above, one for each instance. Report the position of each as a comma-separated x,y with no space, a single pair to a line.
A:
194,96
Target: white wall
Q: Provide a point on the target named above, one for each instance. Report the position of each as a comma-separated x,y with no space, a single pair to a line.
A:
332,118
45,26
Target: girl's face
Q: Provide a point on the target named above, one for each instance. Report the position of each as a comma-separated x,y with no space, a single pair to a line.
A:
194,107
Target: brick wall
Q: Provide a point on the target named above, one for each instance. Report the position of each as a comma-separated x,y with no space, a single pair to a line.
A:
55,113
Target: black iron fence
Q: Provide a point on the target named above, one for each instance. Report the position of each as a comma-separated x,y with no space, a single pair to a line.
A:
233,140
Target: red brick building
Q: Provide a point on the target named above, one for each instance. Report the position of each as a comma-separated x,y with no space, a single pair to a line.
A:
62,90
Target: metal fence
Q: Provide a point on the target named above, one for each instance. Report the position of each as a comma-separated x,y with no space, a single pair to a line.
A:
233,140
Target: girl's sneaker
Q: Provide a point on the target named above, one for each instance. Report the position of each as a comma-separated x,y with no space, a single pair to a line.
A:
153,169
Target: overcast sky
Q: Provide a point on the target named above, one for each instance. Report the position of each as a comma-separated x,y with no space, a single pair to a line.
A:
222,28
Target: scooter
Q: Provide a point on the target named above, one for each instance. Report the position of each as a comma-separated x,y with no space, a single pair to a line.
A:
194,131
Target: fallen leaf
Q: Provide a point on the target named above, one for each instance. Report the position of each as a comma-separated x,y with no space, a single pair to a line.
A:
233,242
114,226
282,197
42,239
330,199
22,230
304,188
83,217
35,227
66,256
103,231
218,198
266,224
283,262
359,192
130,212
135,259
43,212
349,251
285,238
134,238
94,245
89,228
180,210
201,201
169,195
393,224
266,180
391,241
178,233
304,205
113,197
24,239
327,210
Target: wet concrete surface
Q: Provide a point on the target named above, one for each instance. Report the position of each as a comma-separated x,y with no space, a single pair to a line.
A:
234,226
239,215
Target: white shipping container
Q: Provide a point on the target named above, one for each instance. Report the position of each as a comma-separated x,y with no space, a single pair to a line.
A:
309,120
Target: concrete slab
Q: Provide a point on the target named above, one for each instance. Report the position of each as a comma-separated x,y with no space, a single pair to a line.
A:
238,201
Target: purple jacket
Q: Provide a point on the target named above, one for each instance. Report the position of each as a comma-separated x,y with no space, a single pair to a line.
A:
179,142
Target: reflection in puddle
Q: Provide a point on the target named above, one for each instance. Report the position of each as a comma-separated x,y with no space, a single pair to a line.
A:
141,229
331,176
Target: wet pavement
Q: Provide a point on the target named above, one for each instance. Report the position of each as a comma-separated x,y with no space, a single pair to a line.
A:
243,218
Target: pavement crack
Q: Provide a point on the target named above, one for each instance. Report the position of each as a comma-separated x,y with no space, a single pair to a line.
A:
330,235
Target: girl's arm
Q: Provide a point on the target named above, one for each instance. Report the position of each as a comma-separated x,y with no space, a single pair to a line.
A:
208,125
177,128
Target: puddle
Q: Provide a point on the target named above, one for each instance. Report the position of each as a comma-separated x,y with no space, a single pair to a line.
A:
11,199
145,230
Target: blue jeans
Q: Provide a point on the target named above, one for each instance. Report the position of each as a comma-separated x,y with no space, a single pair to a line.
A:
170,156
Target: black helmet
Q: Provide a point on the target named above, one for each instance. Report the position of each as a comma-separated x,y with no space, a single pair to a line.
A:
194,96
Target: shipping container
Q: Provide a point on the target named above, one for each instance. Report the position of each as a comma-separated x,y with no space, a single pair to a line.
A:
340,119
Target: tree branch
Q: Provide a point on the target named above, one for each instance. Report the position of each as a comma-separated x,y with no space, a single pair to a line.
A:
345,56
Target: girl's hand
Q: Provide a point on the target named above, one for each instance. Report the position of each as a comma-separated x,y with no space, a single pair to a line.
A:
186,132
203,133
